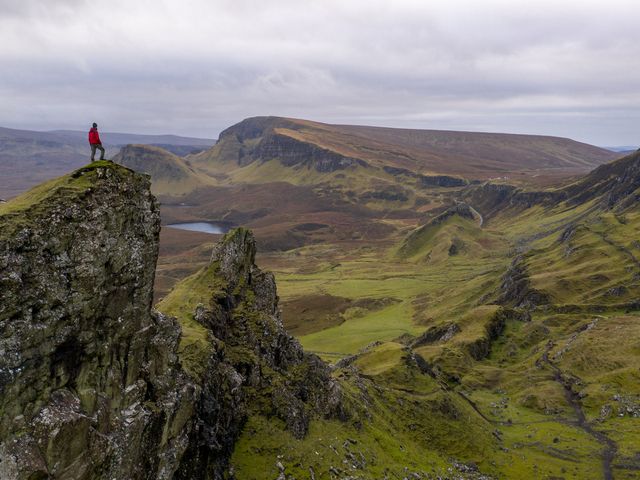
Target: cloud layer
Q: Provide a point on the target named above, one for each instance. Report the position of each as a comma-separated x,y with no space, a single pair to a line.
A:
564,68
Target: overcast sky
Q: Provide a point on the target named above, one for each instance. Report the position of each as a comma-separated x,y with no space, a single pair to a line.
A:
562,67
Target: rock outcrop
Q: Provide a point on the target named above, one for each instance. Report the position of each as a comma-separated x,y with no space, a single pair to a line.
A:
170,174
262,139
436,333
254,366
516,290
461,209
492,198
292,152
616,183
95,384
427,181
87,370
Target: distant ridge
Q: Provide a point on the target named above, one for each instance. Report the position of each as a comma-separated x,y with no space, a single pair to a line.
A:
468,154
623,148
114,138
131,138
30,157
170,174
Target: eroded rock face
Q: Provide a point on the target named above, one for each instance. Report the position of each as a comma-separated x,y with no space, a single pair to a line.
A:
263,369
292,152
616,183
516,290
87,370
92,380
258,140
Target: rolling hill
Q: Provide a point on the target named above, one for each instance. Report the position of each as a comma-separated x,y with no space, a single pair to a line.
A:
170,174
496,330
529,318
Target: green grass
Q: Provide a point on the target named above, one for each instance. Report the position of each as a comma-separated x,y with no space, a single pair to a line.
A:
411,424
527,428
75,182
21,210
390,433
514,391
381,359
195,343
429,291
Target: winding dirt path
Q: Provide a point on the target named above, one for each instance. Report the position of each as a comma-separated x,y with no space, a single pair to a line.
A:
478,214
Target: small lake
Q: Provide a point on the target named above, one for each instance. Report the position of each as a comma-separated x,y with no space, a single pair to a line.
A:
204,227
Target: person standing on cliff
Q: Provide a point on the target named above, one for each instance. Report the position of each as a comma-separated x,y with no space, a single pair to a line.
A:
95,142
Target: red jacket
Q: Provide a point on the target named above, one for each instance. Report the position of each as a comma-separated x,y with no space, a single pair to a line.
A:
94,137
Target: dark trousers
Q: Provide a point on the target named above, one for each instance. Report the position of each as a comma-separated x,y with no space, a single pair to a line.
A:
94,147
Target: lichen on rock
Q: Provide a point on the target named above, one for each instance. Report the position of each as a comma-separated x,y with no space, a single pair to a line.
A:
87,368
95,384
256,366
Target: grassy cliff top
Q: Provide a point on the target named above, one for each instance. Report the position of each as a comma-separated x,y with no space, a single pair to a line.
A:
35,202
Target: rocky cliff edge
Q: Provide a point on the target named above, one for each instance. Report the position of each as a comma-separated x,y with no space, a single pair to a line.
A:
94,383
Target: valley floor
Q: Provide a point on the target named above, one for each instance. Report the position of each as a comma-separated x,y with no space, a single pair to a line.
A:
499,345
503,385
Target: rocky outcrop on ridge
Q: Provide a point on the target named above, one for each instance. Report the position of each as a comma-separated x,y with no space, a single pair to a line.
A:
291,152
95,384
616,182
262,139
516,290
461,209
154,161
255,362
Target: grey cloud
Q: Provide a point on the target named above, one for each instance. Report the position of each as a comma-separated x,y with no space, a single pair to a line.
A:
196,67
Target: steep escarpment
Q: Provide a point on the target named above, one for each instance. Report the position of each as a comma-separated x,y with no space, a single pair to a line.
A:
292,152
94,384
87,370
435,158
262,139
613,185
617,184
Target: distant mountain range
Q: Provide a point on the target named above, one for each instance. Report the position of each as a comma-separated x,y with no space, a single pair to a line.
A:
261,150
623,148
29,157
